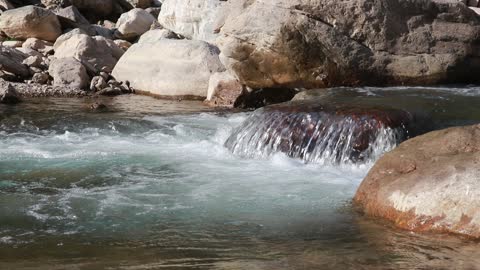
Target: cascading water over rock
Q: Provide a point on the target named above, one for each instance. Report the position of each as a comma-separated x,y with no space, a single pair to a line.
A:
333,133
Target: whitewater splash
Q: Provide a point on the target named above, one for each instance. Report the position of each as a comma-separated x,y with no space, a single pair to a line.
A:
322,133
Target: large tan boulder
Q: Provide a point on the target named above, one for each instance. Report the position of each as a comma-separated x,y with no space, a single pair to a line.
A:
96,53
169,67
134,23
428,183
69,72
30,21
193,19
323,43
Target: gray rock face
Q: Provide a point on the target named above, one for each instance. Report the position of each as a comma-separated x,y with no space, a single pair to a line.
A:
71,18
69,72
321,43
428,183
29,21
11,61
169,67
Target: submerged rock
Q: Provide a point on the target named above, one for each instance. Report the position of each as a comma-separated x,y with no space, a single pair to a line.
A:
429,183
8,94
324,133
98,107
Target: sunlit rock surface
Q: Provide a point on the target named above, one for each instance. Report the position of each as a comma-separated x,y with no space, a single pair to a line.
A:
429,183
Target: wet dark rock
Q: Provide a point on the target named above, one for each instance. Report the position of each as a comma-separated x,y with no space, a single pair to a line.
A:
110,91
98,106
264,97
8,95
71,18
325,133
11,62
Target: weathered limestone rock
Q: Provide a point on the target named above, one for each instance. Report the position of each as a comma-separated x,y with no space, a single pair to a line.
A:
134,23
157,35
223,90
193,19
11,61
29,21
429,183
66,36
169,67
94,52
69,72
322,43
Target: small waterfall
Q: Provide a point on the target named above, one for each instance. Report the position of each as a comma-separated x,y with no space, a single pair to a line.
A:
322,134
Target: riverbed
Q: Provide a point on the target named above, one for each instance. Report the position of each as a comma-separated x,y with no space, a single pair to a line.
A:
149,184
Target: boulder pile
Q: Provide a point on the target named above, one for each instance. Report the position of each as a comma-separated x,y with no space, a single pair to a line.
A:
223,50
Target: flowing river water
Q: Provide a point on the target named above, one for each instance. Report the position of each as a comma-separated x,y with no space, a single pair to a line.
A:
150,184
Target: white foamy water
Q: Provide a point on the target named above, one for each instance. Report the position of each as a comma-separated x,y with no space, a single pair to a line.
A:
96,180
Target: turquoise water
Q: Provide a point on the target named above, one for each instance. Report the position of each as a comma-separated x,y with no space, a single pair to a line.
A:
149,185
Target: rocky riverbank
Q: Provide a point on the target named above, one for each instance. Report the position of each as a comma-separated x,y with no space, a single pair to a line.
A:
223,51
253,53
